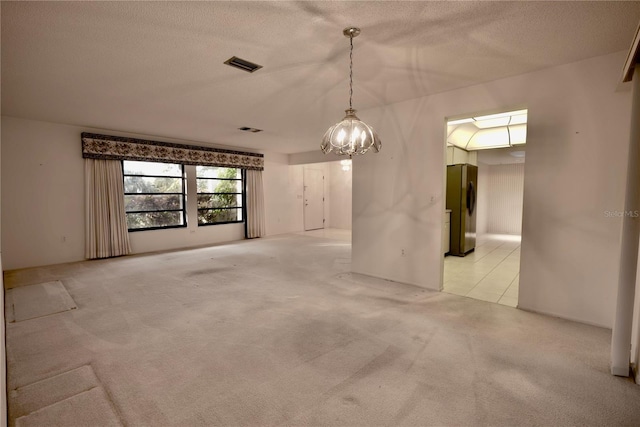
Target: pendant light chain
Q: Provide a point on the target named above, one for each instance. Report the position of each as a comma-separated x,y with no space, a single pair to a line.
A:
350,136
351,74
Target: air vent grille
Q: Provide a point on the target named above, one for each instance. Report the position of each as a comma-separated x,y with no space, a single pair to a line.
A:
242,64
246,129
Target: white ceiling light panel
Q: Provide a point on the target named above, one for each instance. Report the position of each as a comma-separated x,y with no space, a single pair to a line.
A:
489,131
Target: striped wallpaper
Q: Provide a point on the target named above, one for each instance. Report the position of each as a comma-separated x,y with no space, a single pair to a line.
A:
500,193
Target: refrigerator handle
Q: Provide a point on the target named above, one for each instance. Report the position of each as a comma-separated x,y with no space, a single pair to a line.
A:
471,197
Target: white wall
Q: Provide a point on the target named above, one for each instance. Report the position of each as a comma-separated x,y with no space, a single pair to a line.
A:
42,194
286,188
282,195
315,156
502,198
340,192
578,128
456,156
43,198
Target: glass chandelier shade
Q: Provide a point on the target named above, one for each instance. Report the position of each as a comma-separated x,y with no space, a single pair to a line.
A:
351,135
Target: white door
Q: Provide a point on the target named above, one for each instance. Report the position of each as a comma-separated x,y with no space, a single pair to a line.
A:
313,181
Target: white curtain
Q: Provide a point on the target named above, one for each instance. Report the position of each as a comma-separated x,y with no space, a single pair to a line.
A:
255,205
106,232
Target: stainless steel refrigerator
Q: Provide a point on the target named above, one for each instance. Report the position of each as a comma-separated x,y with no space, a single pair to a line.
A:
462,187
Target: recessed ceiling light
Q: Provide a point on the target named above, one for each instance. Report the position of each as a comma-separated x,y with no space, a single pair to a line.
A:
517,154
246,129
242,64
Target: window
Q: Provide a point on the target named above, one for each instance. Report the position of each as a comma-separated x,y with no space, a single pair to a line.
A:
219,195
154,195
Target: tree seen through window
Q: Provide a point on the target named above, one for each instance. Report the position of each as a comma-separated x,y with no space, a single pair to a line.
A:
219,195
153,195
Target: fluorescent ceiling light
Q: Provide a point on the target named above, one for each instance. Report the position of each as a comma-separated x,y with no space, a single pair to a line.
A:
490,131
506,114
518,119
489,138
459,122
492,123
461,135
518,134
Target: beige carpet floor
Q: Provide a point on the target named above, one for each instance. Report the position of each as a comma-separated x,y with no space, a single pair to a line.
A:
277,331
42,299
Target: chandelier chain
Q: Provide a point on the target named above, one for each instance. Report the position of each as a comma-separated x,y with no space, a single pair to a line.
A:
351,73
350,136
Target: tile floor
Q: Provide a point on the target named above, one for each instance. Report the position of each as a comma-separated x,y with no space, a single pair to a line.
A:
490,273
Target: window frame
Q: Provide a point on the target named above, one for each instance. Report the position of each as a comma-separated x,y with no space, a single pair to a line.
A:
183,194
242,194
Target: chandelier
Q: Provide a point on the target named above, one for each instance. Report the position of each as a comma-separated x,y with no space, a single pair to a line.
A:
351,135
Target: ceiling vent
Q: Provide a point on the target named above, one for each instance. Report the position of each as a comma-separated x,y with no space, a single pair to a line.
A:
254,130
242,64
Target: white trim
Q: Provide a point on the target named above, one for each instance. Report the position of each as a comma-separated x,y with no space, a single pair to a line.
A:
632,57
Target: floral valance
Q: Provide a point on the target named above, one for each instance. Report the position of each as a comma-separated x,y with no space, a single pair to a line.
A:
95,146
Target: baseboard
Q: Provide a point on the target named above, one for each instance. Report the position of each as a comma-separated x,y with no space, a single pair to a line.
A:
563,317
621,372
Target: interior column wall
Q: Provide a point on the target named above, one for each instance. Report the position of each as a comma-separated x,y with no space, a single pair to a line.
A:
578,128
340,191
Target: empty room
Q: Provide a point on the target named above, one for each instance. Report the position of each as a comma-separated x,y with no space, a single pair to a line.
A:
256,213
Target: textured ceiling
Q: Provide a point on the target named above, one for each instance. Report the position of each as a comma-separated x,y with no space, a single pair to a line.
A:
157,67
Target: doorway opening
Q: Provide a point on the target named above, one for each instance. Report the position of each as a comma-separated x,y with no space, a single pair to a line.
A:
326,196
484,182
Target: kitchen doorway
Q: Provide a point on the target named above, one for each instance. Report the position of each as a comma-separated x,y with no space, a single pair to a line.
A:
483,216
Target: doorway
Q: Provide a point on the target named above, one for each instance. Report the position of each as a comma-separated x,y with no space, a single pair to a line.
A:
494,145
313,194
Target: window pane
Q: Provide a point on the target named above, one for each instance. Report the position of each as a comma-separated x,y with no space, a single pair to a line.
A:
219,215
219,186
151,168
153,195
154,219
215,172
219,194
141,184
152,202
219,200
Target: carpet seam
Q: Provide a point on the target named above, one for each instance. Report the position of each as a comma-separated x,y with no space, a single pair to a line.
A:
112,404
59,401
57,375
